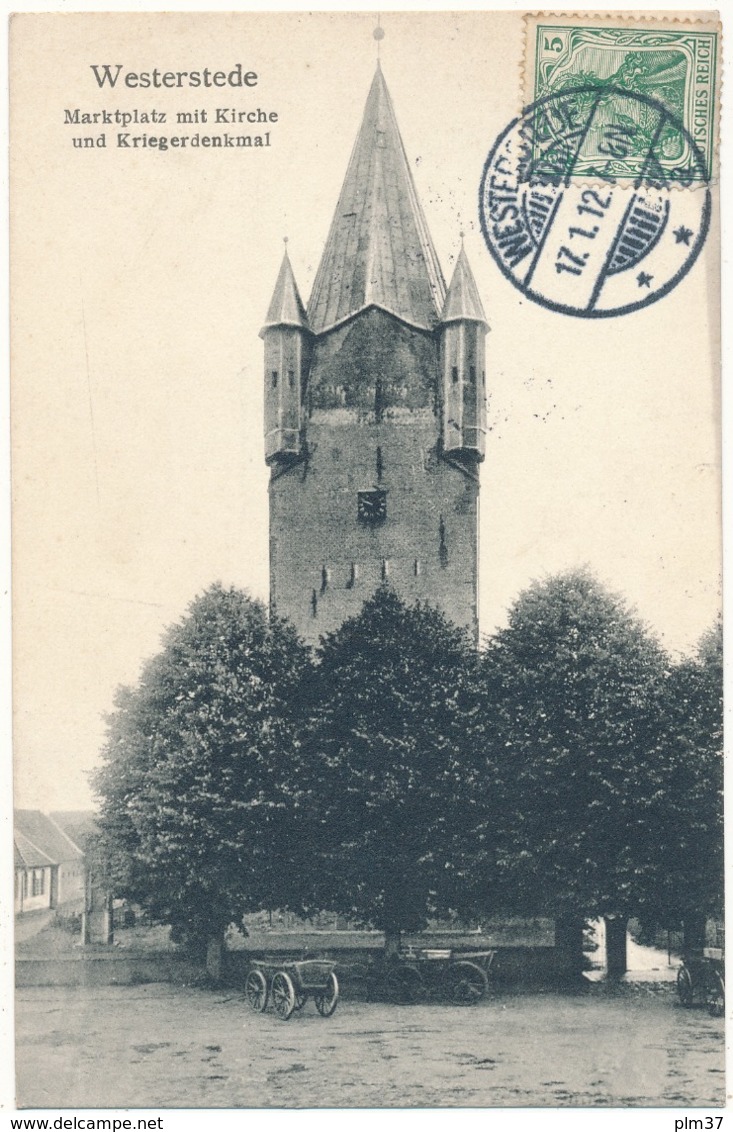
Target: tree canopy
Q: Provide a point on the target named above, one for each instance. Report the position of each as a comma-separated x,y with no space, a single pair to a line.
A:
200,768
574,689
684,863
387,752
570,768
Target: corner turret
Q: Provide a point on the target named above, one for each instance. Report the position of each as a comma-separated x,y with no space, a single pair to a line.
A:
286,335
463,329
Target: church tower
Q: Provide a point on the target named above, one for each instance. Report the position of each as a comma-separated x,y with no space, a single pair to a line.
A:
375,406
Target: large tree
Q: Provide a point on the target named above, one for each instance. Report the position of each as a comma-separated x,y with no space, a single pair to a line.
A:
395,701
200,784
574,697
685,863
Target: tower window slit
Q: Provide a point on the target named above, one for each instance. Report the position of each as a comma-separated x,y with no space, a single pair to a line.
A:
353,576
325,578
417,568
472,374
274,379
385,569
378,400
454,374
442,546
314,604
380,464
291,378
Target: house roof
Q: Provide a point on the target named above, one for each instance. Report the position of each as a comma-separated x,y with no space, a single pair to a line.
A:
463,303
378,252
76,824
286,306
45,834
27,855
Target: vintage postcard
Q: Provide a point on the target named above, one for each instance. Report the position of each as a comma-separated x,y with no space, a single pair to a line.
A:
366,473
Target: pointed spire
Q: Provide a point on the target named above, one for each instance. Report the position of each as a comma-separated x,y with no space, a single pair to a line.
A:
463,303
379,251
286,306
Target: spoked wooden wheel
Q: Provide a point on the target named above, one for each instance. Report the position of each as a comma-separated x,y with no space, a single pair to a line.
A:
326,1000
466,983
716,996
404,984
255,990
684,987
283,995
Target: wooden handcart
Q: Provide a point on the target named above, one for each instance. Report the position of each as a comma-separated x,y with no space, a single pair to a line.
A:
288,986
416,974
701,978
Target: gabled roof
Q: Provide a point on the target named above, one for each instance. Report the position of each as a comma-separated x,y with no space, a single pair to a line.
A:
46,836
463,302
78,825
286,306
28,855
378,251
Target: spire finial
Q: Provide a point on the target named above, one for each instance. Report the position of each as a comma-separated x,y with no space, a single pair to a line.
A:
461,234
378,33
285,240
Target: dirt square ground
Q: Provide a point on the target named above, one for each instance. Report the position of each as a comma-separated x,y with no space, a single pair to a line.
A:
163,1046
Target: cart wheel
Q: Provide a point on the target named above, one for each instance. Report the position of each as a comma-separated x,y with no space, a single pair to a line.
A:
327,999
684,986
466,983
255,991
716,996
283,995
404,984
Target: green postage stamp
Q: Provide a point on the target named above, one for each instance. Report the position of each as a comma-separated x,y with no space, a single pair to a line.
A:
670,64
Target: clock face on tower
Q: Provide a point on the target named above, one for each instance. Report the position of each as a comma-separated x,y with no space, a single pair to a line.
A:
371,506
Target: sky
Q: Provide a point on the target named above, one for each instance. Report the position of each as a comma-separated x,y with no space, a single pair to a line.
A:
141,280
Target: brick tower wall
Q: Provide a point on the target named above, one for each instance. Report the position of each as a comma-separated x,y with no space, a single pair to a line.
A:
373,423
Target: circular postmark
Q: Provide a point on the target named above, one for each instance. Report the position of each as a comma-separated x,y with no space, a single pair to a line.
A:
587,201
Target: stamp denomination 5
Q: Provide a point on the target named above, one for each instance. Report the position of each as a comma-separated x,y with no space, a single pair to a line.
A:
672,61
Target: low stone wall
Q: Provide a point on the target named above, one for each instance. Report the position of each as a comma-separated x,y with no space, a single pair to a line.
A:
512,966
353,952
103,969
